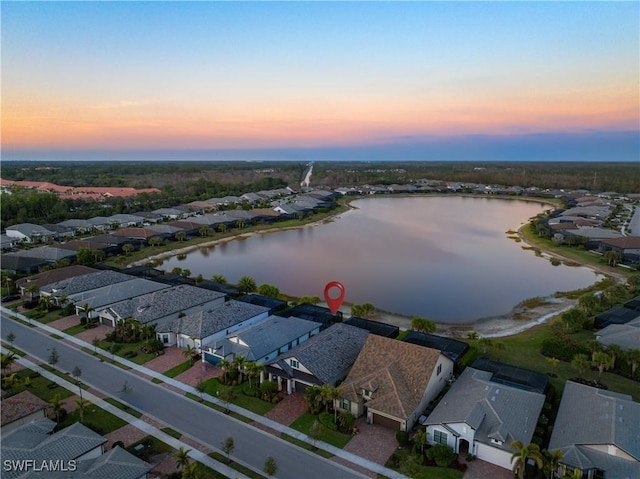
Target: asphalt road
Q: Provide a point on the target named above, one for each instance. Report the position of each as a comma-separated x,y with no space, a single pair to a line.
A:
185,415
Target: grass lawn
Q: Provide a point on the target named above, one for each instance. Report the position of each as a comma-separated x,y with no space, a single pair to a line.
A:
524,350
47,318
173,433
235,466
39,386
305,445
179,369
128,348
124,407
152,447
73,330
252,404
335,438
425,472
95,418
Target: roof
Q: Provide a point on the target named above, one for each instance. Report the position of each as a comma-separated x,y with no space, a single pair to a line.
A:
617,315
375,327
48,253
398,374
205,323
627,335
512,375
34,441
495,411
589,416
55,275
76,245
274,304
263,338
21,405
451,348
86,282
117,462
29,229
156,305
312,312
20,264
114,293
329,354
138,233
629,242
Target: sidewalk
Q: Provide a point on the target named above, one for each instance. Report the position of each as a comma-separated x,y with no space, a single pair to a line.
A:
273,425
138,423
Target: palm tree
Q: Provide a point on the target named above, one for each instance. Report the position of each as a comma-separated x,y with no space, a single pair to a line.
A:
523,454
240,223
333,394
553,362
181,235
155,241
56,405
190,353
589,303
148,332
182,457
485,344
7,361
128,248
219,278
581,363
46,302
615,352
423,325
222,227
253,370
602,361
553,461
31,290
247,284
86,311
82,406
632,356
612,258
192,471
9,381
98,255
204,231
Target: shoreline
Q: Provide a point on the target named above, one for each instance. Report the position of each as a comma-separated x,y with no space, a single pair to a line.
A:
517,320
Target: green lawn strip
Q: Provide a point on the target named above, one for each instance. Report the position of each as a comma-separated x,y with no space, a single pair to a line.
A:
38,385
335,438
73,330
95,418
130,351
23,322
305,445
179,369
45,319
205,472
124,407
422,472
156,381
234,415
173,433
523,350
253,404
15,350
235,466
152,447
56,336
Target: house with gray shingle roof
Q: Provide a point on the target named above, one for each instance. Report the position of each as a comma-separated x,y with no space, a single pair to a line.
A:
169,303
208,325
262,341
85,282
598,432
325,359
626,335
392,382
52,276
29,233
483,418
21,409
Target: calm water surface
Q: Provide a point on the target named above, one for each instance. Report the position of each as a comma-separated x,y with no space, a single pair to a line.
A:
445,258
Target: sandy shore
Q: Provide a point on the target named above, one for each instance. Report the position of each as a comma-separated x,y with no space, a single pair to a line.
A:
517,320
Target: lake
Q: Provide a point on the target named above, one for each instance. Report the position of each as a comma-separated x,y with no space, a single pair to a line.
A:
444,258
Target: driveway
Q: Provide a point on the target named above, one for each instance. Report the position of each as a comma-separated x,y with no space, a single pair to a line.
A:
478,469
198,372
289,409
172,357
373,442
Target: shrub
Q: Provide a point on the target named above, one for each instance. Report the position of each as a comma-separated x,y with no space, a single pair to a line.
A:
153,346
269,389
403,438
326,419
470,457
563,348
442,454
346,420
130,354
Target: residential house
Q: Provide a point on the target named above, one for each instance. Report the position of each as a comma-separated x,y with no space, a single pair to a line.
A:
628,247
21,409
29,233
126,221
99,223
274,304
169,303
326,358
52,276
170,213
598,432
619,314
48,253
626,335
451,348
481,417
81,283
263,341
76,450
7,243
14,263
312,312
206,326
374,327
61,233
392,382
140,234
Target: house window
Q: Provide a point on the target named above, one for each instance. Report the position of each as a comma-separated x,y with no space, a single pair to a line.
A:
497,442
439,369
165,338
366,393
440,437
294,363
346,404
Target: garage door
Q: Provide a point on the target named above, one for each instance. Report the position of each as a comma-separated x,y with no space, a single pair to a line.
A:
386,422
301,387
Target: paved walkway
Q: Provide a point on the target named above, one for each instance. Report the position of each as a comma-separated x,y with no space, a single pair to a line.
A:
142,370
289,409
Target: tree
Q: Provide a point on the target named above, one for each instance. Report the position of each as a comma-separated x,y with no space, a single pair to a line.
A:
186,272
423,325
633,282
54,357
82,405
573,319
84,257
201,387
253,370
419,441
522,455
204,231
219,278
270,466
98,255
155,241
192,471
602,361
190,353
222,227
32,289
86,312
77,372
315,432
581,363
96,342
612,258
182,457
57,406
181,236
442,454
632,356
615,352
485,344
228,445
7,361
269,290
46,302
553,362
227,395
333,394
247,284
239,364
552,460
128,249
240,223
589,303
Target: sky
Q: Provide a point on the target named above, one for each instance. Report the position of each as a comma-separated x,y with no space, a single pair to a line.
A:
533,81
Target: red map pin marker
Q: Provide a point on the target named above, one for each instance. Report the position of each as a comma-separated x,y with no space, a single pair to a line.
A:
334,303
